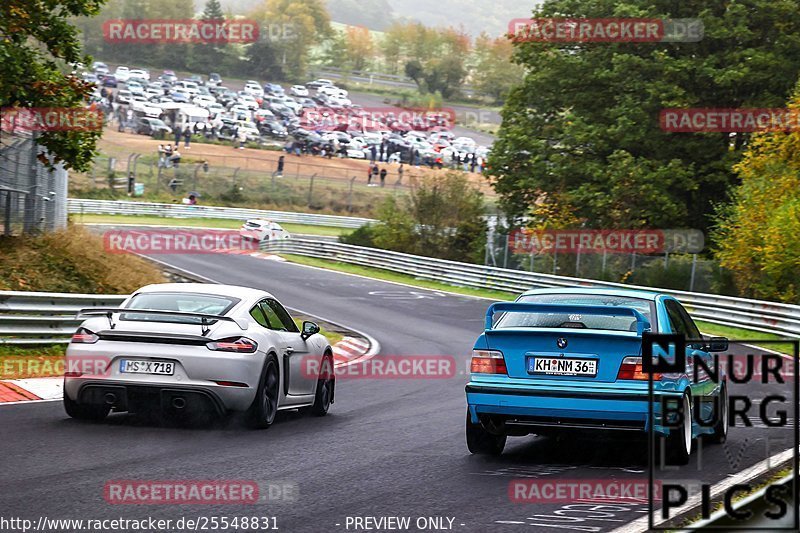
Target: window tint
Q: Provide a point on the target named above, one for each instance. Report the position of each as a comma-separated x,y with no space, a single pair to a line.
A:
285,319
258,316
562,320
676,321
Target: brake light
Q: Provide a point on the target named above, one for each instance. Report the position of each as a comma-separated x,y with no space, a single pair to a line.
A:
631,368
233,344
84,336
487,362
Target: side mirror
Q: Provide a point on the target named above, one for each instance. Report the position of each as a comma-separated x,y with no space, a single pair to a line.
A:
718,344
309,329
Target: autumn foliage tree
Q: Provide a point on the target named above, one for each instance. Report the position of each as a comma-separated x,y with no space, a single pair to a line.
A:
758,236
39,49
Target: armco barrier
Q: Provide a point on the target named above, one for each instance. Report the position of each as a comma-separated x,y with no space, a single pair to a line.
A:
767,317
39,318
113,207
43,317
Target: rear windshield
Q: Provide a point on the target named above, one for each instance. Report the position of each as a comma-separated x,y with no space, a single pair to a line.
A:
577,320
178,301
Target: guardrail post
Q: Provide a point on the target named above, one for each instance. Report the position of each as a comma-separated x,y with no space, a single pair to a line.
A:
311,188
578,261
505,252
350,195
694,270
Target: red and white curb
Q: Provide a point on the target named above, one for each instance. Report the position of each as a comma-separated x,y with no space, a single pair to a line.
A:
348,351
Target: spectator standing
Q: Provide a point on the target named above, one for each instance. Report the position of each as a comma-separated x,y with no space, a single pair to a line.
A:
383,151
373,153
281,161
175,158
383,177
242,138
187,136
400,174
472,163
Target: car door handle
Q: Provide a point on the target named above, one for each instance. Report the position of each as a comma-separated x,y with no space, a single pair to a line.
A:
289,350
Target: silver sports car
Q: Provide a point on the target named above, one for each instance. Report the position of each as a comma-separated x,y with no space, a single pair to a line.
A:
175,348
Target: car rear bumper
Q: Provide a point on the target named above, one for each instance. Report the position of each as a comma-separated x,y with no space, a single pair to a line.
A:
538,407
141,396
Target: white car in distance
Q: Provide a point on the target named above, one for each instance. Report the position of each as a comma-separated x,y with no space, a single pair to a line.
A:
260,229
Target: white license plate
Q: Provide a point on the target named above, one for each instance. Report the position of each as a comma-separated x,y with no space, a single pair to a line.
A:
139,366
562,366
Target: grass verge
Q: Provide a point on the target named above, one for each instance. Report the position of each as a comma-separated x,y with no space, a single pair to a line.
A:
220,223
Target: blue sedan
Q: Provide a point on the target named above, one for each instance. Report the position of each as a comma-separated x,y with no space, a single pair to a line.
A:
571,359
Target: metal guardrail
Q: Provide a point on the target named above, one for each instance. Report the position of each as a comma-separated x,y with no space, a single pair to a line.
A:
756,315
46,318
43,317
114,207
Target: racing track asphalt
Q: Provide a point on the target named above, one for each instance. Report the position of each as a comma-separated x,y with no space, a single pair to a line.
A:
387,448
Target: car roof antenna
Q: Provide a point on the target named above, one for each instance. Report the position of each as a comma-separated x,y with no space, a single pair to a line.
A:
204,323
109,315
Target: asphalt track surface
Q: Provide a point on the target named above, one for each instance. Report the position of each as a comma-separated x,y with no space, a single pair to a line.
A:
387,448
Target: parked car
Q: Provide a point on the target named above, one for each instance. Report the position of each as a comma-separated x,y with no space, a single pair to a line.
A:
214,79
298,90
153,127
185,348
122,73
100,68
139,74
168,76
316,84
109,80
571,359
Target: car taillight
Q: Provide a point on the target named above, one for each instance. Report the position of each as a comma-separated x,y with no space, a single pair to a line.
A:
487,362
631,368
233,344
84,336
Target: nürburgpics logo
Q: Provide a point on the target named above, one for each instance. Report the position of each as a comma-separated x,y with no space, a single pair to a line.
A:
173,31
739,395
606,30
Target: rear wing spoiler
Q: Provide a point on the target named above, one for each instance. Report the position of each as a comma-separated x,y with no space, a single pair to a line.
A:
205,318
642,323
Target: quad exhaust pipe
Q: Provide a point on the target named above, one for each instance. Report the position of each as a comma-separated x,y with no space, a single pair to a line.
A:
110,398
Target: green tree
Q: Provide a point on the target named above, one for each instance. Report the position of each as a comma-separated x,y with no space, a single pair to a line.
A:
38,45
758,235
291,28
494,73
584,123
443,217
213,11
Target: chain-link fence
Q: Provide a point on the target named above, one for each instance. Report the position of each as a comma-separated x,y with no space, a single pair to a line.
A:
306,185
679,271
33,198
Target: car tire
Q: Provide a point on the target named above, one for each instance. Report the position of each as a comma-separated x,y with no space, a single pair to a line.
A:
481,442
720,434
326,383
679,441
262,412
85,412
